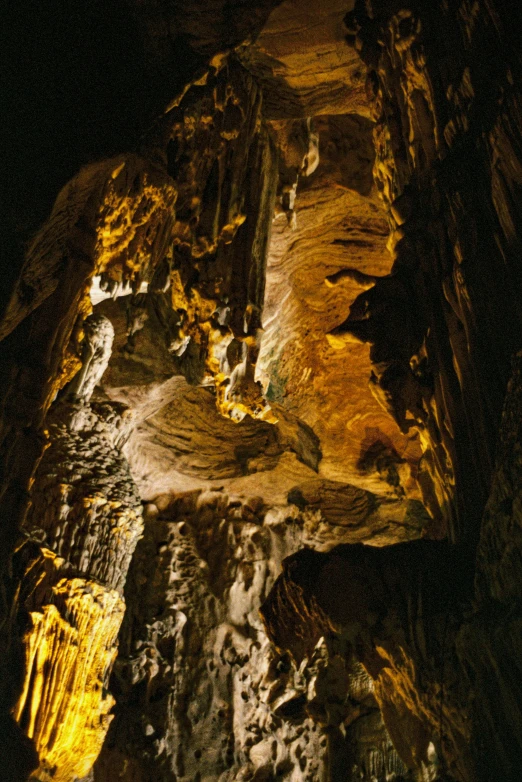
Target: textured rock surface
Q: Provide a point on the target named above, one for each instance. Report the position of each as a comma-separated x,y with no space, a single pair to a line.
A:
86,515
52,299
116,219
399,609
70,644
195,674
303,63
147,156
448,167
201,692
225,164
315,271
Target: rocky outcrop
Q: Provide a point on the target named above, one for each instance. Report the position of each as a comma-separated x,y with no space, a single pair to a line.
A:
195,678
399,609
441,81
225,164
200,691
83,217
118,217
51,300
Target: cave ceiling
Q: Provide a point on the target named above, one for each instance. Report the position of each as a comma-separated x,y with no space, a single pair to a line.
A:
301,59
326,246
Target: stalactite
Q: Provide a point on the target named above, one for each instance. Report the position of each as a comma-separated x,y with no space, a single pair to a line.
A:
210,276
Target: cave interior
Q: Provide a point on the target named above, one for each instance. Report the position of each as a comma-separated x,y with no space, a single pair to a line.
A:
261,391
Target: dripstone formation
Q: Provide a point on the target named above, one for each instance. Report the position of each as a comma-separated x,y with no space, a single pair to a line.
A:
260,392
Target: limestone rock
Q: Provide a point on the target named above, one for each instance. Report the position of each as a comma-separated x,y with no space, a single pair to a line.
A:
339,227
301,223
70,643
200,691
399,609
303,63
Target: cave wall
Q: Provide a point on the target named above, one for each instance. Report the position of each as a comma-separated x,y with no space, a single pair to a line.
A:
198,686
201,692
446,102
116,220
437,630
169,200
443,86
398,609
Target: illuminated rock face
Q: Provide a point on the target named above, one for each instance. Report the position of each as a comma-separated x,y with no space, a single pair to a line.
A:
201,693
86,515
285,59
315,270
70,646
267,368
448,168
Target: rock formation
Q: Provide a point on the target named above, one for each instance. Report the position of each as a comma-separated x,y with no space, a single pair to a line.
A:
260,380
398,608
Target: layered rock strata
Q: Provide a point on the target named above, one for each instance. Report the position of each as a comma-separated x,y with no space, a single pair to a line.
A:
442,85
316,269
439,648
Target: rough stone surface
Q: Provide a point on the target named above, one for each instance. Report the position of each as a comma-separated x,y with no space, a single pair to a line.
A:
302,61
70,643
443,97
399,609
87,518
201,692
301,223
315,270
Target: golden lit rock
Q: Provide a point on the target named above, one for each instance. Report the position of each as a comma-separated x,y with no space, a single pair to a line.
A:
257,317
70,645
